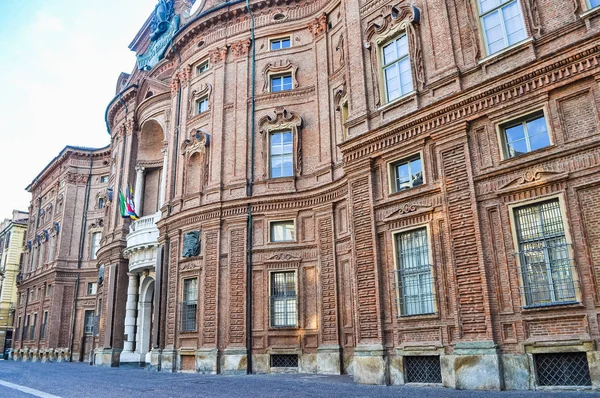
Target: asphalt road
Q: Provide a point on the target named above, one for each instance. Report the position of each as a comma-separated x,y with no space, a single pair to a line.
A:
81,380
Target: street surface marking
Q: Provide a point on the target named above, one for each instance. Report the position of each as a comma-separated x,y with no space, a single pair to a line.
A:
27,390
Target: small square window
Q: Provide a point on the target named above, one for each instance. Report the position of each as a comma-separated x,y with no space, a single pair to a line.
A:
283,231
525,135
104,179
278,44
406,173
281,82
203,67
92,288
202,105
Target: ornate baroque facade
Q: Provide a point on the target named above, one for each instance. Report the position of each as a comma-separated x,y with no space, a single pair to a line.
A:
56,310
401,191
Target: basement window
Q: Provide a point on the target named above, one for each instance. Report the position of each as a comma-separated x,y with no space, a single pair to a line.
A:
566,369
423,369
284,361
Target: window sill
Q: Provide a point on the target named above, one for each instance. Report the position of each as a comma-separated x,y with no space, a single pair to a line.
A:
416,317
552,306
590,12
411,189
398,101
523,156
275,328
505,50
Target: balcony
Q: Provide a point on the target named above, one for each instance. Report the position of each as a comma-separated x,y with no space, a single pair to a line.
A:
142,242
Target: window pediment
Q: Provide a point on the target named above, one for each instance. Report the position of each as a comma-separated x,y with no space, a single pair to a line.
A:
276,68
283,121
205,90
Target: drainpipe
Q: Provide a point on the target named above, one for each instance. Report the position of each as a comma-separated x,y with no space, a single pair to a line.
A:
23,331
177,125
250,186
80,255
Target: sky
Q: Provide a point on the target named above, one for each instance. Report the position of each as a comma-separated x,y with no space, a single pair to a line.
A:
59,64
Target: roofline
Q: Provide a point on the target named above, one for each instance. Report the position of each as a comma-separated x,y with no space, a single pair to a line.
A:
60,154
111,102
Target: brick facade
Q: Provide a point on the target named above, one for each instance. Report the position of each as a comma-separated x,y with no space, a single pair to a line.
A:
350,298
66,210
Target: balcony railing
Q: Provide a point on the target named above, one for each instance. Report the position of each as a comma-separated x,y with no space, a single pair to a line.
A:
142,241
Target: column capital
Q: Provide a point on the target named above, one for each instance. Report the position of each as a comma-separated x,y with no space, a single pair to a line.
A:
139,169
164,150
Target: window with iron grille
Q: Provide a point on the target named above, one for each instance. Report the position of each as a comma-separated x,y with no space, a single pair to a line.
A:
422,369
189,305
284,361
43,327
545,260
414,274
88,326
565,369
283,299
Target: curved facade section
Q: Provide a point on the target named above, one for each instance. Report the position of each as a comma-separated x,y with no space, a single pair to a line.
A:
338,187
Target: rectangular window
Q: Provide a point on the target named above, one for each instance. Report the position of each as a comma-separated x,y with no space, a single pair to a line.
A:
407,173
92,288
544,255
525,135
32,333
278,44
96,236
43,327
189,305
283,299
281,160
101,203
88,326
414,277
203,67
396,68
26,327
17,335
502,23
48,290
104,179
202,105
594,3
422,369
283,231
565,369
281,82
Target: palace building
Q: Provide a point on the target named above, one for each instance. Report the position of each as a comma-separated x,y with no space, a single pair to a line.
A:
55,316
404,192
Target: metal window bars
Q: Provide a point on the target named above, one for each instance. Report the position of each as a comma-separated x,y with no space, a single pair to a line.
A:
284,361
545,260
565,369
423,369
43,331
187,316
88,327
283,299
414,276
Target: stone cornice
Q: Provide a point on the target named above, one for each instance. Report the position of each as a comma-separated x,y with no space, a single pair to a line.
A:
118,102
454,109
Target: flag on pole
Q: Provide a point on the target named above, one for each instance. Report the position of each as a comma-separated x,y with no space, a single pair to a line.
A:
131,205
122,206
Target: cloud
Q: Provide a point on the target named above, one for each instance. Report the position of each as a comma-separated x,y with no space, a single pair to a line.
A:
44,23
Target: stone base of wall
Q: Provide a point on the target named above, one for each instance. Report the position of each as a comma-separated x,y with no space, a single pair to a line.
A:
207,361
107,357
370,365
234,361
329,360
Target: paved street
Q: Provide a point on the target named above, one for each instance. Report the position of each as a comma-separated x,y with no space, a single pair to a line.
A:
82,380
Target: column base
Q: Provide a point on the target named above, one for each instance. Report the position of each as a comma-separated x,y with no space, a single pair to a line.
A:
473,366
155,359
234,360
107,357
207,361
370,364
329,360
168,360
129,357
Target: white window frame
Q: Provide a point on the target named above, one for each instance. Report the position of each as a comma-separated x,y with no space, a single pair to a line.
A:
393,175
397,269
273,223
95,245
92,288
200,105
280,40
588,3
395,63
282,155
202,67
104,179
498,9
522,119
281,76
285,298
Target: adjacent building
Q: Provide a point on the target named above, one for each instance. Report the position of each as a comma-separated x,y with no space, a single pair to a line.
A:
12,234
55,317
400,191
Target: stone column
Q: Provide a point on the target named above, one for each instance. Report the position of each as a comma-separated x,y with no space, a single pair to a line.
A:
163,178
139,190
130,313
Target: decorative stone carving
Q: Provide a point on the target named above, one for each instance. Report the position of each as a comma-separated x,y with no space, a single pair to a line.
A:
473,34
278,67
218,55
531,176
174,85
283,257
283,121
340,95
393,20
197,144
240,48
318,26
534,16
191,244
